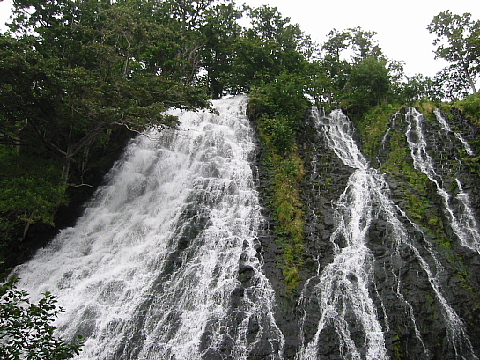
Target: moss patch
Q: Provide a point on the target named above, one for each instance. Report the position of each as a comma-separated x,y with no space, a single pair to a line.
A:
277,126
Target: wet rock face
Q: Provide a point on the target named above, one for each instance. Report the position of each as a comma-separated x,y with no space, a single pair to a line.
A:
325,181
270,254
459,176
450,262
425,290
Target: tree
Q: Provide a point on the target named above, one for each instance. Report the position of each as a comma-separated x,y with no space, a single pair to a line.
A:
357,81
26,332
291,45
319,85
458,42
450,84
89,67
368,85
361,44
29,192
221,32
267,49
418,87
185,19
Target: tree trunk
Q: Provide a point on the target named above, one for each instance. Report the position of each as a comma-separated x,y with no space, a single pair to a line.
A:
66,169
470,79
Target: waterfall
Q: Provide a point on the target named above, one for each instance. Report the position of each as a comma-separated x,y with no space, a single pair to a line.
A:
164,262
462,220
343,291
342,288
446,127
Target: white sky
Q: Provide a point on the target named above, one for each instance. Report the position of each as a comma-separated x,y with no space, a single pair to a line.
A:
400,25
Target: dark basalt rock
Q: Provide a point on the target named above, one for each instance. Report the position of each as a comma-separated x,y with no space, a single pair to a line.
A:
411,313
246,273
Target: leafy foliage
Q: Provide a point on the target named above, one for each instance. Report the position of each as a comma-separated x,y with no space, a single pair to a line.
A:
25,328
90,69
278,109
470,107
23,194
458,43
368,85
354,75
373,127
420,87
266,49
30,192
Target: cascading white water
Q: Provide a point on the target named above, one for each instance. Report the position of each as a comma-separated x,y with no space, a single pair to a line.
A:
463,224
341,289
149,270
445,126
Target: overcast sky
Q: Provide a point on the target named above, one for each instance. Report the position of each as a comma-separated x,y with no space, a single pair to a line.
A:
400,25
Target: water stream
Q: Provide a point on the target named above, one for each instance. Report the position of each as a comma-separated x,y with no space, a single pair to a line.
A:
344,301
343,289
446,127
462,219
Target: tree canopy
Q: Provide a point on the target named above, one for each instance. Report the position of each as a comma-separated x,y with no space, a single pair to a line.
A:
86,68
458,42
